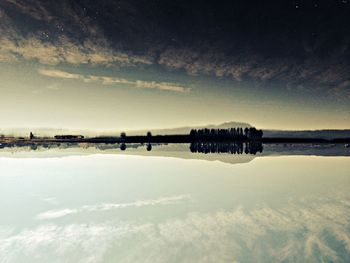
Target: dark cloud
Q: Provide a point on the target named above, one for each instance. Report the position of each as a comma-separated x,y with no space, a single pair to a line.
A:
295,43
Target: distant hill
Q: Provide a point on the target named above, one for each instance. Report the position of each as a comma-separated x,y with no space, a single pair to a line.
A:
91,133
322,134
319,134
186,130
325,134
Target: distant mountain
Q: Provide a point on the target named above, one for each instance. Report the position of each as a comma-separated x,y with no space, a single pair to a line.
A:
186,130
325,134
91,133
319,134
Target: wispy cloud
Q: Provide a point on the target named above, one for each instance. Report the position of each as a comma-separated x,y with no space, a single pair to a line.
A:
331,74
74,38
106,80
65,50
35,9
50,200
89,246
59,74
68,34
111,206
299,231
6,57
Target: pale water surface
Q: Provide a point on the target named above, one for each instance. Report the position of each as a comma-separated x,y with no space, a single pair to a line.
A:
129,208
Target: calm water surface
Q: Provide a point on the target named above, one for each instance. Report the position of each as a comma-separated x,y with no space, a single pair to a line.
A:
127,208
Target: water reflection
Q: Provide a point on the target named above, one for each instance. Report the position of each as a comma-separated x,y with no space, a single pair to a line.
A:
229,152
235,147
123,146
226,147
120,208
149,147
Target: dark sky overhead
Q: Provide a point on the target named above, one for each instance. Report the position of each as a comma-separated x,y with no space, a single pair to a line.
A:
168,63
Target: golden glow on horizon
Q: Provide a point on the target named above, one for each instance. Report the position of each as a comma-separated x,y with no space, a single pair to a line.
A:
54,98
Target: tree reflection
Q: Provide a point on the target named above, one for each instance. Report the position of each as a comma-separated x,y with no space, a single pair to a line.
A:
226,147
123,147
149,147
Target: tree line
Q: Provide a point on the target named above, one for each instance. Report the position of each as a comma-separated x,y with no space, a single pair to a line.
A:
230,133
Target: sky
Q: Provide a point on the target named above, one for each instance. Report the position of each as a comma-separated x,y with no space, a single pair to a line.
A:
135,64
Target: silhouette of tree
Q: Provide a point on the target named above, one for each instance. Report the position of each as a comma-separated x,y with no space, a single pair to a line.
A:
149,147
193,133
123,147
246,131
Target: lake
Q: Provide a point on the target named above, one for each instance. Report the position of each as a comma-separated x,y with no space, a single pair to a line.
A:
175,206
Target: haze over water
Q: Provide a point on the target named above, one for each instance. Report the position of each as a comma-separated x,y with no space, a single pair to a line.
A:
132,208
